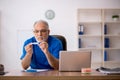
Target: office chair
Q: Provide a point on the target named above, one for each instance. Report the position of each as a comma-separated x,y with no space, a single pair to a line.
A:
62,39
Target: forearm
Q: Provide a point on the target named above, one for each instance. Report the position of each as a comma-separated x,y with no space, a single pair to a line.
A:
26,61
54,62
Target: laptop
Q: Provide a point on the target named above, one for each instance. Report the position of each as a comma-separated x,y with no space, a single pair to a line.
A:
74,60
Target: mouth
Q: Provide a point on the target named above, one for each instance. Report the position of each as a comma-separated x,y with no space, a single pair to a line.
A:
41,38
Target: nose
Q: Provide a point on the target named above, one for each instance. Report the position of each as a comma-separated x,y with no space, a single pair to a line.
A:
39,33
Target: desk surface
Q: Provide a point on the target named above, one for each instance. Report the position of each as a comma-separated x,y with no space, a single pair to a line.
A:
56,75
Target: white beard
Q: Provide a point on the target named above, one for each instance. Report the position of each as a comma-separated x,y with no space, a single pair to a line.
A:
40,39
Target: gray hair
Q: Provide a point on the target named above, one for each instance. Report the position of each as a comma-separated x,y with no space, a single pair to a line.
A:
42,21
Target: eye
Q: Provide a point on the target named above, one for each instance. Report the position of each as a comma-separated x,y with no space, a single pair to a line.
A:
44,30
36,31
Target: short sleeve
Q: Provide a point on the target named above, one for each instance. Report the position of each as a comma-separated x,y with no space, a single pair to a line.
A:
23,48
57,48
23,51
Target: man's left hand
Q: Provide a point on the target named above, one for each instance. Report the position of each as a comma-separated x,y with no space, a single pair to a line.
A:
44,46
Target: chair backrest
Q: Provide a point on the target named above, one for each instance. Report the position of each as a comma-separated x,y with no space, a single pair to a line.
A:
62,39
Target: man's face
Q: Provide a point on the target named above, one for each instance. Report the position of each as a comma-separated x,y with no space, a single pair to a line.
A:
41,32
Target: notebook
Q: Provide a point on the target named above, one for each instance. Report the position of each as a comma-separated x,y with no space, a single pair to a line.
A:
74,60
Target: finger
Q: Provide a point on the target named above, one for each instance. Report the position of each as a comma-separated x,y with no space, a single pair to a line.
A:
29,50
28,46
43,45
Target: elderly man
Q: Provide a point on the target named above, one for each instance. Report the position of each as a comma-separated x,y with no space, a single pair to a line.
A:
42,50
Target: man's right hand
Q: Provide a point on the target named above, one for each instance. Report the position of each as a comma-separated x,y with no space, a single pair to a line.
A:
29,48
27,59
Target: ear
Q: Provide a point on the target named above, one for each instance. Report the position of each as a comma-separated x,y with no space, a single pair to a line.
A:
48,31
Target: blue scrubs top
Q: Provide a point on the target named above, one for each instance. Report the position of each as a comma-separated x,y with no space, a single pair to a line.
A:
39,60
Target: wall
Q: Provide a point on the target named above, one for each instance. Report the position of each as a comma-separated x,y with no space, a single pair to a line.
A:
18,15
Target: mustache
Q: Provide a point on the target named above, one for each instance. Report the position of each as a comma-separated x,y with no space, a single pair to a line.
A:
42,38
